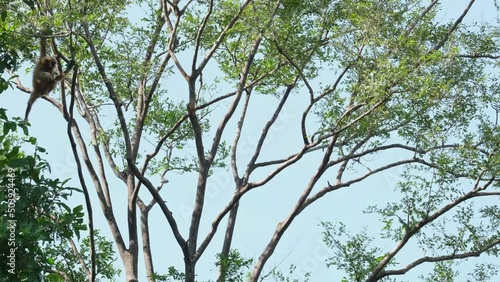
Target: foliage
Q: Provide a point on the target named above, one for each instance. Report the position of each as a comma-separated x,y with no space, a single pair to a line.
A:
69,263
278,275
172,275
33,205
353,253
233,266
36,223
8,56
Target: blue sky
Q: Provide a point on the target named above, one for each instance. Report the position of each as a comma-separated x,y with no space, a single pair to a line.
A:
260,210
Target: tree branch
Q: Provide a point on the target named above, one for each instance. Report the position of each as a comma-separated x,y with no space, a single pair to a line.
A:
454,27
419,261
168,214
88,202
421,224
221,37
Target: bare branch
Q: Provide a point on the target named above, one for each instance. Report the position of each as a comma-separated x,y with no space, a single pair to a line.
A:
237,135
414,229
339,185
78,255
221,37
315,100
88,202
283,225
171,45
419,261
420,17
199,35
109,87
168,214
19,84
454,27
265,130
479,56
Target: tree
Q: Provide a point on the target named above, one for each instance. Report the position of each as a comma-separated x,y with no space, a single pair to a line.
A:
37,226
175,91
8,58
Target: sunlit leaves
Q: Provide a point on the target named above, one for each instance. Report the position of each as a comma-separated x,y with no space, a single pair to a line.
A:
234,266
36,203
353,253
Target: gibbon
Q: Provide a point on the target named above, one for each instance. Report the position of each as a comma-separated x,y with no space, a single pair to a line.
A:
43,76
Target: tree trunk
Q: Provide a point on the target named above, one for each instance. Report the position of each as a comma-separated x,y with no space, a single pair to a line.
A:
190,270
130,264
146,248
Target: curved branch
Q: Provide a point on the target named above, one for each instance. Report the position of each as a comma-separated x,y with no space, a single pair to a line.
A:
315,100
339,185
419,261
420,17
199,34
265,130
421,224
221,37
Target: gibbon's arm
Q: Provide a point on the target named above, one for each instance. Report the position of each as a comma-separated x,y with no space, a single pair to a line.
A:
44,76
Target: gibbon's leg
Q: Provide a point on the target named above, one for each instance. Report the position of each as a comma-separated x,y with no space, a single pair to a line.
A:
31,100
